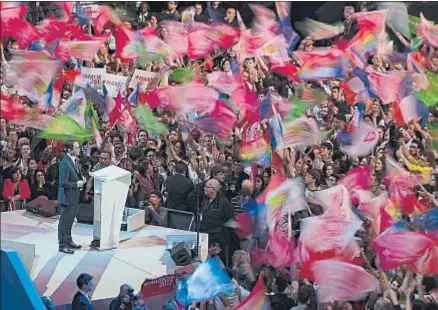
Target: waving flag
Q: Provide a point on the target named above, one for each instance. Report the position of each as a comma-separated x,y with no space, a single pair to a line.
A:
318,30
176,36
357,179
387,85
301,132
354,90
373,21
335,202
11,109
65,128
75,107
257,299
51,98
84,50
322,64
182,75
92,121
397,18
342,281
408,109
116,112
123,37
219,122
203,39
147,120
208,281
428,31
22,31
372,209
402,192
399,248
257,151
286,198
429,95
283,10
363,142
319,234
428,222
223,82
81,15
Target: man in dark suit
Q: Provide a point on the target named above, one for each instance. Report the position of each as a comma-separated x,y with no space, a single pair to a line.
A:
71,182
82,300
178,188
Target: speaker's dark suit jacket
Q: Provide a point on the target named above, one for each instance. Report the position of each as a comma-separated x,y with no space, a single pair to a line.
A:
69,192
80,302
178,188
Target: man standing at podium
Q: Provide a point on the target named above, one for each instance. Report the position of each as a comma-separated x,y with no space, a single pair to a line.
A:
71,182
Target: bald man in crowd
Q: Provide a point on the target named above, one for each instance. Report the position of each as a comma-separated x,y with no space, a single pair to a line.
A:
216,210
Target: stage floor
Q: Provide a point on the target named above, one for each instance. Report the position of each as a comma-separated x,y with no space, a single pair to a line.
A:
140,255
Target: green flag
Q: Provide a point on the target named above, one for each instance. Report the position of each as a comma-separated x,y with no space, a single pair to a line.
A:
65,128
429,95
182,75
147,120
433,131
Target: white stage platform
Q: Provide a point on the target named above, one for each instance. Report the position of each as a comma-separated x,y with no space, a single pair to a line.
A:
140,255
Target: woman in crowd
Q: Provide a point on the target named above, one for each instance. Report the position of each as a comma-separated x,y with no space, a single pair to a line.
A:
16,189
155,213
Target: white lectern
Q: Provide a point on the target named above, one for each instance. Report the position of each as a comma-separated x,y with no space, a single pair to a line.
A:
111,185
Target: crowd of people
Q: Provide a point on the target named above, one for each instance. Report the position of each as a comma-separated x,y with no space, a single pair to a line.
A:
224,160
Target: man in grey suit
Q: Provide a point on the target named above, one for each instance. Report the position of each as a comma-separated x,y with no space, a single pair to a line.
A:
71,182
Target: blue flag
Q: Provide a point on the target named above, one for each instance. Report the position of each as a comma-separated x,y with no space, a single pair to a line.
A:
81,15
207,282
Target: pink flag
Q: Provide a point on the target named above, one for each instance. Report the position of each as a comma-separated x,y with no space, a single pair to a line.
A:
176,36
248,105
364,140
224,82
386,85
428,31
428,263
402,192
22,31
399,248
372,209
220,121
203,39
123,36
342,281
84,50
320,234
372,21
358,178
393,169
280,253
335,202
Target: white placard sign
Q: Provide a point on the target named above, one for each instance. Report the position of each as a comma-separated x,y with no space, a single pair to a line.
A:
148,80
113,83
93,76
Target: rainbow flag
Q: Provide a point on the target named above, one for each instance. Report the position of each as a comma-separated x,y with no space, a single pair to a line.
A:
257,151
257,299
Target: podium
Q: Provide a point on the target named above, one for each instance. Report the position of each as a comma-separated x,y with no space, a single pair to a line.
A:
111,185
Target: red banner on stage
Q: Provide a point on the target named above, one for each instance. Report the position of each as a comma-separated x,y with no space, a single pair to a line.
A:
158,286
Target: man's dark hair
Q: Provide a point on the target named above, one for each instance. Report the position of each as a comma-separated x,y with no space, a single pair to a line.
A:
143,167
216,169
304,294
281,283
68,146
106,151
429,283
168,113
430,306
84,278
134,153
180,167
